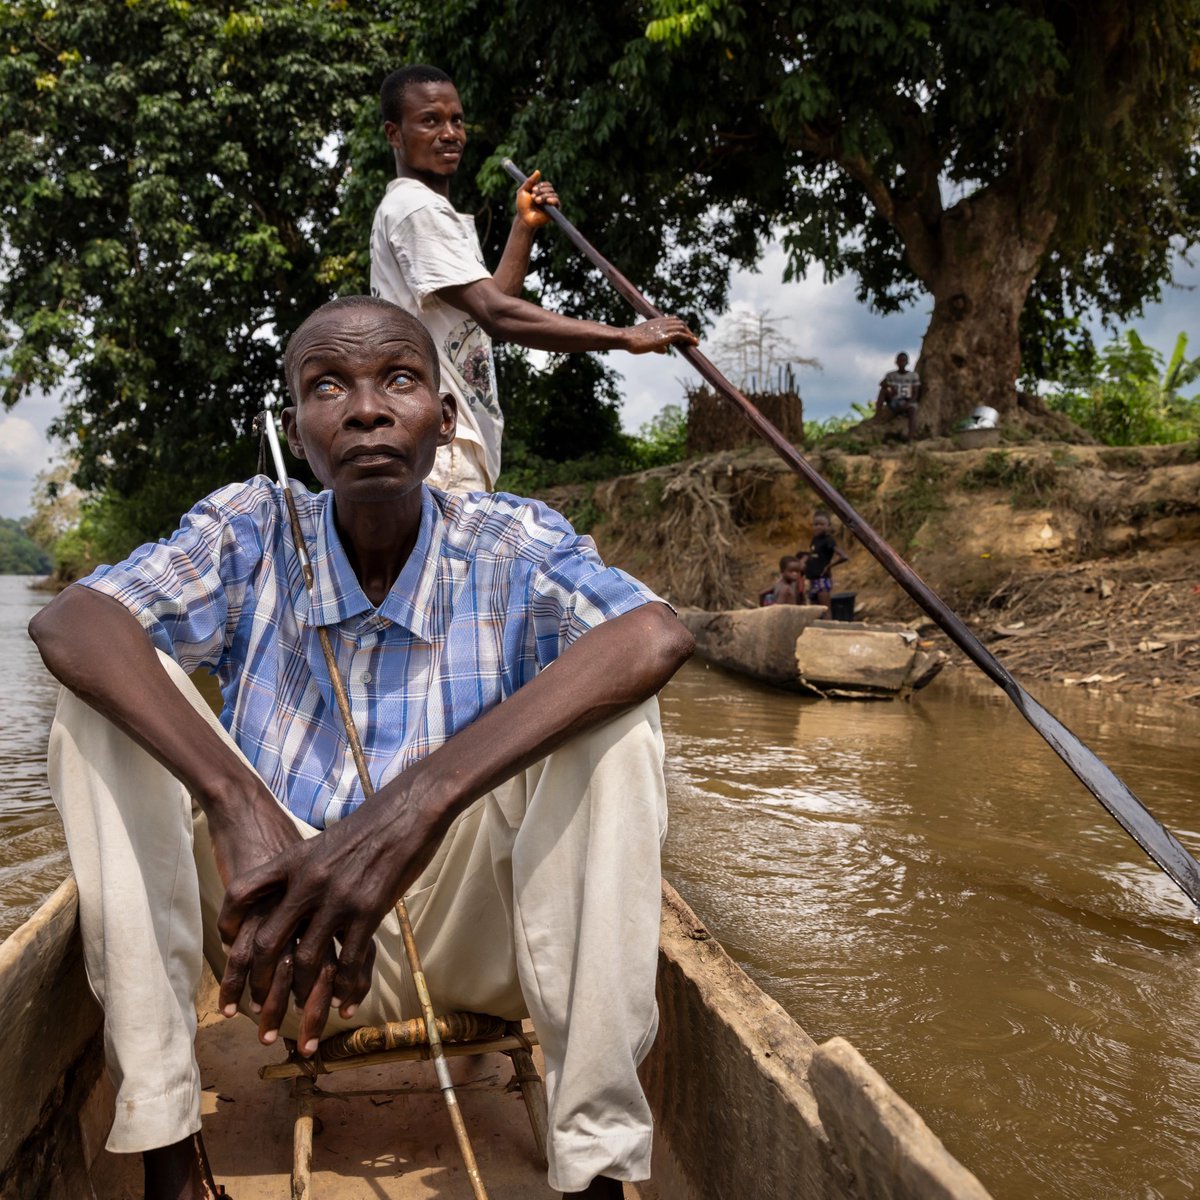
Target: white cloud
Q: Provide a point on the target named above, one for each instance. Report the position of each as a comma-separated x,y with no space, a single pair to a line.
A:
856,346
19,440
24,451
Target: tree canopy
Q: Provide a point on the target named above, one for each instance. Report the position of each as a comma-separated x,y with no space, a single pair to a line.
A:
972,151
170,210
19,553
185,181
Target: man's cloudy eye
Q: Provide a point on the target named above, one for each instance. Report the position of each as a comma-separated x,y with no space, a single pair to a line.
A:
400,378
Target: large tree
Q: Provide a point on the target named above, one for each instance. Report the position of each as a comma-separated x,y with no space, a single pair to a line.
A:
182,182
970,150
169,211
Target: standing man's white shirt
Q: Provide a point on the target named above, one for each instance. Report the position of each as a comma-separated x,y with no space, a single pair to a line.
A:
419,244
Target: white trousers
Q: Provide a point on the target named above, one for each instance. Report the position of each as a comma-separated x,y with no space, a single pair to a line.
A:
542,900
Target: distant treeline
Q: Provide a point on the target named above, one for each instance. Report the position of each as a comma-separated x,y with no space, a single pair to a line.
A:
19,553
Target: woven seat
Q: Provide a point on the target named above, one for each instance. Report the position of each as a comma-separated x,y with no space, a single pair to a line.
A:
404,1041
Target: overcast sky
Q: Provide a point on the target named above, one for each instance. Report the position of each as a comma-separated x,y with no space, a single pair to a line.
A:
855,346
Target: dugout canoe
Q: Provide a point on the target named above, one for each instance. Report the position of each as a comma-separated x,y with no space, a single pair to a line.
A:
795,646
746,1104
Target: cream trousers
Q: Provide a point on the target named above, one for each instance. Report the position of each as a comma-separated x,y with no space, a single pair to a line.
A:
542,900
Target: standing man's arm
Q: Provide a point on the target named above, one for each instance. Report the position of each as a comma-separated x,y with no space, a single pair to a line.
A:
510,319
532,195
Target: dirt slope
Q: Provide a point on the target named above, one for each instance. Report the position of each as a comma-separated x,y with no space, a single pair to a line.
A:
1077,564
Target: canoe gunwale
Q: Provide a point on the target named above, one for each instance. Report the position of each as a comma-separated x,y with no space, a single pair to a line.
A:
738,1090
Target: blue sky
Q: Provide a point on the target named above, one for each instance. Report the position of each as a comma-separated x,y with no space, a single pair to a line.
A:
855,346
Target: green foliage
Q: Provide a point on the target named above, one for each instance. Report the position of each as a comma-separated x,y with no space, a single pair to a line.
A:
173,176
1126,397
661,440
19,553
108,526
912,143
567,411
184,181
816,431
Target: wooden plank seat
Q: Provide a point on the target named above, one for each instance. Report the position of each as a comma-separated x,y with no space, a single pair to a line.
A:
462,1033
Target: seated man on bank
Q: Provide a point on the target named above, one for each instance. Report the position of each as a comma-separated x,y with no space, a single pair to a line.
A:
504,681
900,394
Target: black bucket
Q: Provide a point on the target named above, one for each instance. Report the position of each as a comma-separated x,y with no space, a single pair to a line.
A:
841,606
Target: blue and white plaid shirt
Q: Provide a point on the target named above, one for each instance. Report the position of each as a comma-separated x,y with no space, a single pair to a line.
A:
495,589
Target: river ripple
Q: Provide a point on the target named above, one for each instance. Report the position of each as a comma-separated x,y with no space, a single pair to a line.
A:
925,879
33,857
929,881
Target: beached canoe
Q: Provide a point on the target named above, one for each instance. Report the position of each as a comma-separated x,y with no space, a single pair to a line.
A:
746,1104
796,647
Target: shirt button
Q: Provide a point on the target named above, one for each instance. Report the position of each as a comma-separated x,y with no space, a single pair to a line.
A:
365,677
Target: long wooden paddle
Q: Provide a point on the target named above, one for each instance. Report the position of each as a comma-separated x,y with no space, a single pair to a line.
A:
1112,792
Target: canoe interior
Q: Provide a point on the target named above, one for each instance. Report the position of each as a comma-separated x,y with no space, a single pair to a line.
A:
745,1102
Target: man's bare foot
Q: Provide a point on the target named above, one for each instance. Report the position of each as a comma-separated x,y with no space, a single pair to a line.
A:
179,1172
601,1188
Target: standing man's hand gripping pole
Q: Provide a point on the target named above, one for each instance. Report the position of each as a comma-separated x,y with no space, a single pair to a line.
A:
342,883
532,197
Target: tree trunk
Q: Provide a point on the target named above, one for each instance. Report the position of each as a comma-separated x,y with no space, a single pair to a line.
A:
988,250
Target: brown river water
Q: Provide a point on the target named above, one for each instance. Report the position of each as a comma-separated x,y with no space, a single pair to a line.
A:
925,879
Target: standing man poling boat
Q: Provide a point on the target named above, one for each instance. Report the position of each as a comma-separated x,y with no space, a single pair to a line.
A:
426,257
512,736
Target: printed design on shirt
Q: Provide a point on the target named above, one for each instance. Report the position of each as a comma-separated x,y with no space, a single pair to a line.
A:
470,353
901,384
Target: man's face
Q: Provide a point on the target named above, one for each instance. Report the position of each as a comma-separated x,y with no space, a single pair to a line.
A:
431,132
902,362
367,416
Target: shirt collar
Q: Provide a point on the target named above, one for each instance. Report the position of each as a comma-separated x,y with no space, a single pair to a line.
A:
337,594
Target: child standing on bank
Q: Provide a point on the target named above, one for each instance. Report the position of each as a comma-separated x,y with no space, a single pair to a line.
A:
823,555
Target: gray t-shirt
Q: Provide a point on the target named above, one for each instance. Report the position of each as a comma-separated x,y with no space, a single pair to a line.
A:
901,385
419,244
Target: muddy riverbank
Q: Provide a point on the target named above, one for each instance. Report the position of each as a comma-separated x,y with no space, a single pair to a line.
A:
1080,565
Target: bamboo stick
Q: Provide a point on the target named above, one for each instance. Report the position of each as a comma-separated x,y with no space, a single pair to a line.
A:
406,933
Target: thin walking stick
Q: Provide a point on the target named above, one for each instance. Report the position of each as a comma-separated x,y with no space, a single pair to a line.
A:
436,1051
1113,793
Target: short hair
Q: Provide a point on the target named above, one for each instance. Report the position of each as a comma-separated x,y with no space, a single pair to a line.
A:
348,302
787,558
391,91
823,512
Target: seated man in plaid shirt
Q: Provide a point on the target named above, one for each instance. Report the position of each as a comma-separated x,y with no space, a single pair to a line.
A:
503,681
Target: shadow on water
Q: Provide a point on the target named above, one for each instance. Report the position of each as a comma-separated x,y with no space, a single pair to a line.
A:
928,880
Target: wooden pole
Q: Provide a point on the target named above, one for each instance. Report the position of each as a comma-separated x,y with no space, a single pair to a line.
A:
440,1065
1108,788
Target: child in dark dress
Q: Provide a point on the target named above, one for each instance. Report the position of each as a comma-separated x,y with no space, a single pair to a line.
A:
822,556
